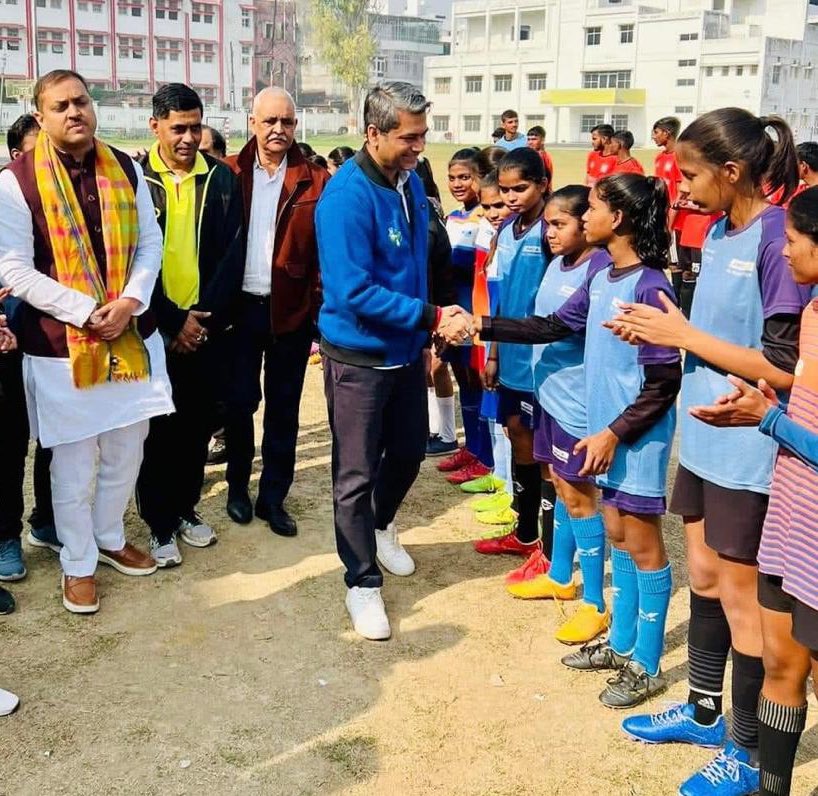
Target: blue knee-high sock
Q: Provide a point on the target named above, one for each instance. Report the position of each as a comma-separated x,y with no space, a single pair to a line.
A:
654,599
590,534
562,559
485,454
470,408
625,603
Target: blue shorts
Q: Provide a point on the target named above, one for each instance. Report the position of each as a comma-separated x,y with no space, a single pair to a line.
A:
633,504
515,403
555,446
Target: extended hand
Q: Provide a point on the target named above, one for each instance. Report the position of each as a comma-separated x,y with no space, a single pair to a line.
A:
192,334
599,452
641,323
455,328
8,342
111,320
745,406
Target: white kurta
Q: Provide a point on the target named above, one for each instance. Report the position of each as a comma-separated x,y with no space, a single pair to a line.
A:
59,412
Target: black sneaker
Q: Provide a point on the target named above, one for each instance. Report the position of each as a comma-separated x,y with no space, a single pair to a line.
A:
435,446
595,657
631,687
6,602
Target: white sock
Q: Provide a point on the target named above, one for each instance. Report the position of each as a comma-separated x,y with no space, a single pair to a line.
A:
434,415
500,447
445,409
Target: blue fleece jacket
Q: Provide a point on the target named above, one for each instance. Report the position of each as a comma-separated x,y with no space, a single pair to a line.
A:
373,267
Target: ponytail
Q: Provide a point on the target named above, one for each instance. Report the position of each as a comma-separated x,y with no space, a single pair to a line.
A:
643,201
734,134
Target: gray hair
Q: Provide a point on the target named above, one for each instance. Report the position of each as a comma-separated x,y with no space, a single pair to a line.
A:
385,100
272,91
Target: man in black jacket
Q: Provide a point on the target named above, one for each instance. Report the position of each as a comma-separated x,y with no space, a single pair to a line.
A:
198,205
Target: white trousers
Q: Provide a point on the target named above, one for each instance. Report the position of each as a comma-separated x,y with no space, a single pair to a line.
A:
92,481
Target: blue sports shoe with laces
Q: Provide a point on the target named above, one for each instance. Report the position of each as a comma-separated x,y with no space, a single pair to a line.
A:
675,725
729,773
11,560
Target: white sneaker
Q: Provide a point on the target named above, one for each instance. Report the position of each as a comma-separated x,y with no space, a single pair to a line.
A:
368,613
165,555
196,532
391,554
8,702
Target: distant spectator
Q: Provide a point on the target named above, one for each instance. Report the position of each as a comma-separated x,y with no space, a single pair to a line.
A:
497,135
321,161
536,141
22,135
620,146
338,156
306,150
213,143
511,138
808,163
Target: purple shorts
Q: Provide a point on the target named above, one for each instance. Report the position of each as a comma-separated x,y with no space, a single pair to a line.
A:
633,504
555,446
515,402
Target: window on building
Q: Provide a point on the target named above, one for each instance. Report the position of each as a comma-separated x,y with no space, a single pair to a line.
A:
10,39
708,72
443,85
245,17
246,96
55,4
754,70
619,121
246,54
534,118
525,32
40,3
683,109
718,5
82,5
725,71
502,83
440,124
474,84
588,121
203,12
688,37
471,124
91,44
168,49
379,65
593,36
96,8
687,62
739,71
619,79
685,81
11,2
776,76
537,81
207,94
202,52
626,34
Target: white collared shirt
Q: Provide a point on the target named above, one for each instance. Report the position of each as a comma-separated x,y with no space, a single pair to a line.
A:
261,236
403,178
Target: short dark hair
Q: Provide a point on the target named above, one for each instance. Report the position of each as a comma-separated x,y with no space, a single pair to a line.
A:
605,130
670,124
306,150
537,130
509,114
527,163
808,153
803,213
175,97
319,160
53,77
340,155
625,137
219,144
21,127
499,133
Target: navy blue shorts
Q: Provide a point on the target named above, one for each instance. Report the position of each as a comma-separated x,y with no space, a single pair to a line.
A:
515,403
633,504
555,446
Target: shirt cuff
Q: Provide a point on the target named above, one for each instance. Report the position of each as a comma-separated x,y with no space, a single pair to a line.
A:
486,331
768,422
428,317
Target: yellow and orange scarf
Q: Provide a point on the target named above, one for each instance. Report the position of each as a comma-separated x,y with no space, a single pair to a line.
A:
93,360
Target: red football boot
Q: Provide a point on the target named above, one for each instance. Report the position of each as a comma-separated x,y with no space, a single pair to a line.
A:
537,564
506,545
468,473
456,461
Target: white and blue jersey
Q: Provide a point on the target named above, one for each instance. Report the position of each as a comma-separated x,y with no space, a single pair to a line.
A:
559,371
744,280
615,373
521,260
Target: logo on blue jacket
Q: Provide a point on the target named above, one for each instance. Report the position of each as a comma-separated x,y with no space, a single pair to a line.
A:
395,236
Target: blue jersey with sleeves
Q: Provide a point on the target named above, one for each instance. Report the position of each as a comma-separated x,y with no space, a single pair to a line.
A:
615,372
559,371
521,260
744,279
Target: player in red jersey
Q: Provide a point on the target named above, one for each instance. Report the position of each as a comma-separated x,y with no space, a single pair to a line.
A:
600,161
621,144
536,141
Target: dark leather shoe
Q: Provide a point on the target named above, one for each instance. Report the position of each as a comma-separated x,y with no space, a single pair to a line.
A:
279,520
6,602
240,507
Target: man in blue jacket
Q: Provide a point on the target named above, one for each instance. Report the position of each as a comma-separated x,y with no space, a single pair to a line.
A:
371,223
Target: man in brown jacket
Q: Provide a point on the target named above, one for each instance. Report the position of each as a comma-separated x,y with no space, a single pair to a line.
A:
278,307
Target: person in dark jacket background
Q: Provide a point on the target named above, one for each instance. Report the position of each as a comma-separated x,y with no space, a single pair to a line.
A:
198,206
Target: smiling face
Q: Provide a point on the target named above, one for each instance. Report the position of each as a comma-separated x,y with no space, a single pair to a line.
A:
180,136
494,208
462,183
510,126
273,123
802,255
66,113
400,148
712,188
600,221
565,235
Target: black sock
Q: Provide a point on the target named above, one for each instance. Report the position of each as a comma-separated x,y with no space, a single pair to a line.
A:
548,497
748,677
515,487
708,642
527,487
779,731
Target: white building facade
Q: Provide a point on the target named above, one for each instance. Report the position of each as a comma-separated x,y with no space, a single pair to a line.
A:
571,64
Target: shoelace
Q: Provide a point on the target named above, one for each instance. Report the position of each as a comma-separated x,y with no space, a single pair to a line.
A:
722,768
668,716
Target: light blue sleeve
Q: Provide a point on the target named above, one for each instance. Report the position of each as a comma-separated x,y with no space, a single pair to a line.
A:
796,438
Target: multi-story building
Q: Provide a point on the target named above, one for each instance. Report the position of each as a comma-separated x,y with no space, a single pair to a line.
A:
225,49
572,64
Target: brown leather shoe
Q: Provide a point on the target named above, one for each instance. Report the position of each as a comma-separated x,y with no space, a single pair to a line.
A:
79,595
129,560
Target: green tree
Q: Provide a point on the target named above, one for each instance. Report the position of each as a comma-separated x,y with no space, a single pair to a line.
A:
343,38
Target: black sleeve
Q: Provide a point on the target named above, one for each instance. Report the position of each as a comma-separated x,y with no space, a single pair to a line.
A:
441,274
659,391
533,329
780,341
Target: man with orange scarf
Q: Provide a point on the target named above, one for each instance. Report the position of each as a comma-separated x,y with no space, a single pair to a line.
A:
80,245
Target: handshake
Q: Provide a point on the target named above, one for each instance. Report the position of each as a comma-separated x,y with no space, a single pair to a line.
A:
456,326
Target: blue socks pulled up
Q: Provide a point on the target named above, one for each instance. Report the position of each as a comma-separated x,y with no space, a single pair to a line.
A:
562,557
625,603
654,599
590,543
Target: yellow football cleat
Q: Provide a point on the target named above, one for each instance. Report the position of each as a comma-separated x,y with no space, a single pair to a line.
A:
495,502
542,588
500,517
584,626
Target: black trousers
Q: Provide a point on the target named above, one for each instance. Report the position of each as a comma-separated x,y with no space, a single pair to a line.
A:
284,358
14,434
170,479
379,422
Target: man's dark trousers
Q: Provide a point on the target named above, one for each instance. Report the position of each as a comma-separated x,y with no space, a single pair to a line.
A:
285,364
379,422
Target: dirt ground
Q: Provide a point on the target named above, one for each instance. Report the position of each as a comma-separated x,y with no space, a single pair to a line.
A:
238,672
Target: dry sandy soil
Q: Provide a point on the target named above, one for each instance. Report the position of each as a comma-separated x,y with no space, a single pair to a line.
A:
238,672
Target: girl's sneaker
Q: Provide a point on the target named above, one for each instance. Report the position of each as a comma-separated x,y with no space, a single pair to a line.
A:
468,473
632,686
506,545
457,462
8,702
677,724
496,502
502,517
542,587
730,773
584,626
486,483
537,564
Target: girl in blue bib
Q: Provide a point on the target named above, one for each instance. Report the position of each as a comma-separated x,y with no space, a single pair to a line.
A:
744,320
629,395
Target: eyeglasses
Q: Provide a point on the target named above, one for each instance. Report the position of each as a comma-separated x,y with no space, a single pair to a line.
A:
272,121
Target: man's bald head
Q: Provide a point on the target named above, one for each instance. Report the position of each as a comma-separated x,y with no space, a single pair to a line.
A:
271,94
273,122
